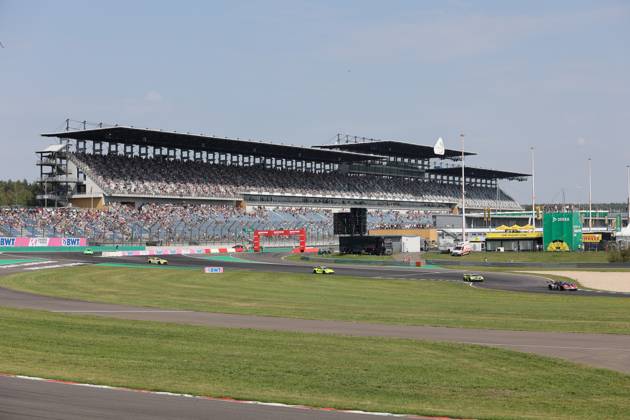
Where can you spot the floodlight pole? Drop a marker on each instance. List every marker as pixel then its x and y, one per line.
pixel 590 198
pixel 533 190
pixel 628 169
pixel 463 194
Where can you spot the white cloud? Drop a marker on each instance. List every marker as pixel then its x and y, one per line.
pixel 438 38
pixel 153 96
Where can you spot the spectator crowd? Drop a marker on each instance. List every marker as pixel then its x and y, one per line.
pixel 200 223
pixel 166 177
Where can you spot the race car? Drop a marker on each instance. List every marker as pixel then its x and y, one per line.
pixel 88 251
pixel 157 260
pixel 473 277
pixel 322 269
pixel 562 285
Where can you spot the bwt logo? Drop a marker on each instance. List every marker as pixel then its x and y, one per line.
pixel 7 241
pixel 560 219
pixel 71 241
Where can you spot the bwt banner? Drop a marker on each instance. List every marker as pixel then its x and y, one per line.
pixel 21 241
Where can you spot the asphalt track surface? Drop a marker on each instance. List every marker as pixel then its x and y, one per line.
pixel 31 399
pixel 22 399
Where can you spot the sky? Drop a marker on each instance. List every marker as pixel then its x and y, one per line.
pixel 553 75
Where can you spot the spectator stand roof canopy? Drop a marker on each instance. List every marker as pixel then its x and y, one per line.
pixel 397 149
pixel 479 173
pixel 186 141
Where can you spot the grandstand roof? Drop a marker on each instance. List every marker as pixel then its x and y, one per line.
pixel 480 173
pixel 159 138
pixel 395 149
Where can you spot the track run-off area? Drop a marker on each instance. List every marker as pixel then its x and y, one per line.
pixel 609 351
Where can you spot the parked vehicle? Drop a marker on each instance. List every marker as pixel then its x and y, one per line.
pixel 461 249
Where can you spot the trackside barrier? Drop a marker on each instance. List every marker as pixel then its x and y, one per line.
pixel 304 250
pixel 171 251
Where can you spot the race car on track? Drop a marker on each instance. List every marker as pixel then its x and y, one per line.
pixel 562 285
pixel 88 251
pixel 157 260
pixel 473 277
pixel 322 269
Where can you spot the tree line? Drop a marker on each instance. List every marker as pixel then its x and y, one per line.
pixel 19 193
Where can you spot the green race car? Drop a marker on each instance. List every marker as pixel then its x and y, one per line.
pixel 322 269
pixel 88 251
pixel 473 277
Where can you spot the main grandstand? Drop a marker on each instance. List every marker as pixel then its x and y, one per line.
pixel 127 184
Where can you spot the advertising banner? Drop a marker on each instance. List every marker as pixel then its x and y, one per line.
pixel 41 242
pixel 213 270
pixel 592 237
pixel 562 231
pixel 513 235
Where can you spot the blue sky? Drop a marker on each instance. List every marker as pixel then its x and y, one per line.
pixel 550 74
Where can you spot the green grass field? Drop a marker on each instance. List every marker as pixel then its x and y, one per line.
pixel 544 257
pixel 328 371
pixel 307 296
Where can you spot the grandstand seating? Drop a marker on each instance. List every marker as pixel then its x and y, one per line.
pixel 117 174
pixel 201 223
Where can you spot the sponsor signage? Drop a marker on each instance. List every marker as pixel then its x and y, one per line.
pixel 41 242
pixel 592 237
pixel 7 241
pixel 513 235
pixel 213 270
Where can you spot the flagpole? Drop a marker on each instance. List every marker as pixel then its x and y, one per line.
pixel 533 191
pixel 463 193
pixel 590 197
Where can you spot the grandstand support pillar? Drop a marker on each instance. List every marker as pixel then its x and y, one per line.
pixel 171 153
pixel 198 155
pixel 185 154
pixel 143 152
pixel 80 146
pixel 128 150
pixel 112 148
pixel 97 147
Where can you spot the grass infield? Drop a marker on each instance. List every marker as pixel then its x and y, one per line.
pixel 307 296
pixel 542 257
pixel 373 374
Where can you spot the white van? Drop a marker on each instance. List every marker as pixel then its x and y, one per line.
pixel 461 250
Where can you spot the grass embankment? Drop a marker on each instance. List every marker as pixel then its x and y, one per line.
pixel 308 296
pixel 539 257
pixel 327 371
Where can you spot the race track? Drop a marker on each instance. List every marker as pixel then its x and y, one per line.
pixel 30 399
pixel 22 399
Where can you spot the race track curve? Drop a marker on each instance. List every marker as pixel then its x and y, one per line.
pixel 36 399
